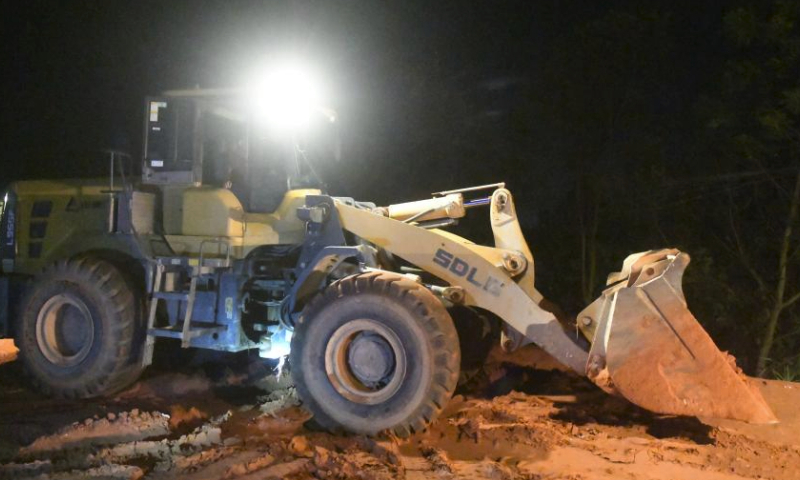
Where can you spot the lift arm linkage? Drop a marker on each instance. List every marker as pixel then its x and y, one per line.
pixel 496 279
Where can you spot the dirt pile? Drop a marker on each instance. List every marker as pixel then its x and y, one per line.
pixel 116 428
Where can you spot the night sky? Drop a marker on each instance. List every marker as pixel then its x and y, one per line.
pixel 430 95
pixel 409 79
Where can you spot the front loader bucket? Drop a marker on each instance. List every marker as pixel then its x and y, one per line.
pixel 649 348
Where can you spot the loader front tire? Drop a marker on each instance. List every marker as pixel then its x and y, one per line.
pixel 76 329
pixel 375 352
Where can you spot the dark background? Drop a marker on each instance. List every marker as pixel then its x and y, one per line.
pixel 619 127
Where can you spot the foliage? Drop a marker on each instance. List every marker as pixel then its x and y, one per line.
pixel 724 194
pixel 753 122
pixel 788 371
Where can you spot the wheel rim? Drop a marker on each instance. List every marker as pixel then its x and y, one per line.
pixel 64 330
pixel 365 361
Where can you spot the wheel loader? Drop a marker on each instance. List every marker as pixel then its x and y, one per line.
pixel 215 247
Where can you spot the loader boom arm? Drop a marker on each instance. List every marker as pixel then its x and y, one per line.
pixel 486 274
pixel 645 343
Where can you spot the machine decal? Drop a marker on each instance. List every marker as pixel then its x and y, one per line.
pixel 154 106
pixel 10 227
pixel 229 308
pixel 461 268
pixel 8 221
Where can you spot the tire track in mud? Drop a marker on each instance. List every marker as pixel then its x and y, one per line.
pixel 525 424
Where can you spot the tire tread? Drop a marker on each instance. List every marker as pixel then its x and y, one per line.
pixel 433 318
pixel 118 370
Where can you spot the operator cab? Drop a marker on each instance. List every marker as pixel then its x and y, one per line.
pixel 205 137
pixel 219 175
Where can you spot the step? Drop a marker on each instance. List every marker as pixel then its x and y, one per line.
pixel 177 263
pixel 182 296
pixel 176 332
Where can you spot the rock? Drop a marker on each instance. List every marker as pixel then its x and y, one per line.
pixel 8 352
pixel 179 415
pixel 299 446
pixel 120 472
pixel 256 464
pixel 232 441
pixel 283 470
pixel 494 470
pixel 321 456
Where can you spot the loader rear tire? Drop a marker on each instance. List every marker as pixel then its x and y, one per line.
pixel 77 327
pixel 375 352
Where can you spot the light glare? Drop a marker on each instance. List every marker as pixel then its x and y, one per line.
pixel 285 97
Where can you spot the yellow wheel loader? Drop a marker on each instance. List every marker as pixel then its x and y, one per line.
pixel 217 244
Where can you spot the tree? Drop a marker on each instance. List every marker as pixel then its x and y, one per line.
pixel 605 84
pixel 755 121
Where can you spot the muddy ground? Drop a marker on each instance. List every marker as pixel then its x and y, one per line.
pixel 518 419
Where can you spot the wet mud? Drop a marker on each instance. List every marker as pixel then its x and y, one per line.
pixel 520 418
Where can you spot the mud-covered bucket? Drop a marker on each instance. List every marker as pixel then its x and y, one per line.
pixel 648 347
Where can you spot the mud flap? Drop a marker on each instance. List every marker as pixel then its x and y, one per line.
pixel 649 348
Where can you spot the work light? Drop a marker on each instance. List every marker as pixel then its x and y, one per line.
pixel 285 97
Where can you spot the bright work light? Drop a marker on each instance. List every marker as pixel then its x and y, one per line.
pixel 285 97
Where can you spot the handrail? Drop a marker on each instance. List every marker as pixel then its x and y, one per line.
pixel 492 186
pixel 216 241
pixel 116 157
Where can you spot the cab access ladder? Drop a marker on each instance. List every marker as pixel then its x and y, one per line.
pixel 185 330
